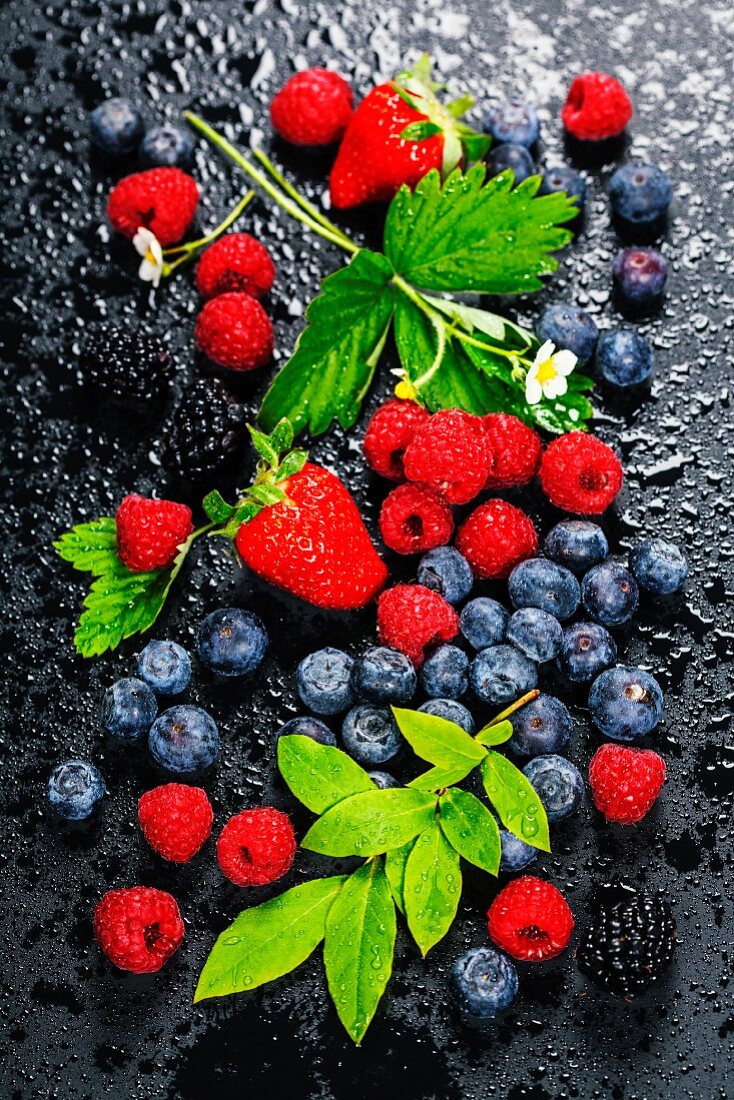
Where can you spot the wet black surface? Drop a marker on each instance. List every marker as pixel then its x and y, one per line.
pixel 76 1028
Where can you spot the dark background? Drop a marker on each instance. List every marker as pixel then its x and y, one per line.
pixel 75 1026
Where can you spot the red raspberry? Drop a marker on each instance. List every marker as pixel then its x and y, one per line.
pixel 414 519
pixel 256 847
pixel 450 454
pixel 495 538
pixel 176 820
pixel 149 532
pixel 312 108
pixel 625 782
pixel 530 920
pixel 235 262
pixel 234 331
pixel 580 474
pixel 514 451
pixel 163 200
pixel 596 107
pixel 413 619
pixel 139 928
pixel 389 432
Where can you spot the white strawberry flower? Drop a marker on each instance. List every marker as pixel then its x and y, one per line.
pixel 148 246
pixel 548 373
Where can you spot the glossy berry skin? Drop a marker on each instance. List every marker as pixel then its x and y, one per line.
pixel 163 200
pixel 232 642
pixel 256 847
pixel 129 708
pixel 559 785
pixel 414 620
pixel 513 121
pixel 445 673
pixel 323 681
pixel 640 194
pixel 370 734
pixel 512 157
pixel 307 726
pixel 383 781
pixel 625 782
pixel 495 538
pixel 206 430
pixel 535 633
pixel 176 820
pixel 484 981
pixel 138 928
pixel 446 571
pixel 624 358
pixel 388 434
pixel 516 854
pixel 610 594
pixel 514 451
pixel 184 739
pixel 450 455
pixel 74 789
pixel 128 364
pixel 165 667
pixel 150 532
pixel 236 262
pixel 545 585
pixel 542 726
pixel 384 675
pixel 597 107
pixel 629 943
pixel 501 674
pixel 564 179
pixel 625 703
pixel 414 518
pixel 451 710
pixel 567 326
pixel 659 566
pixel 530 920
pixel 166 147
pixel 580 474
pixel 312 108
pixel 586 650
pixel 116 126
pixel 234 331
pixel 483 622
pixel 640 275
pixel 576 544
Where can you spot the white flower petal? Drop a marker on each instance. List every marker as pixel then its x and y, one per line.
pixel 565 361
pixel 150 273
pixel 143 240
pixel 545 351
pixel 556 387
pixel 533 391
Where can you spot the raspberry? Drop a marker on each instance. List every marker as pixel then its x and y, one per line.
pixel 413 619
pixel 149 532
pixel 176 820
pixel 139 928
pixel 625 782
pixel 256 847
pixel 514 451
pixel 580 474
pixel 234 331
pixel 414 519
pixel 163 200
pixel 629 943
pixel 312 108
pixel 124 362
pixel 450 454
pixel 206 429
pixel 530 920
pixel 495 538
pixel 235 262
pixel 389 432
pixel 596 107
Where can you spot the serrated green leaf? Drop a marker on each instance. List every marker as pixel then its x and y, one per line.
pixel 515 800
pixel 501 330
pixel 282 435
pixel 371 823
pixel 435 779
pixel 395 861
pixel 269 940
pixel 432 887
pixel 90 547
pixel 319 775
pixel 496 733
pixel 437 740
pixel 359 946
pixel 264 446
pixel 216 507
pixel 471 829
pixel 292 464
pixel 118 605
pixel 419 131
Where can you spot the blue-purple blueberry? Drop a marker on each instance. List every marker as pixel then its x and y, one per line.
pixel 451 711
pixel 610 593
pixel 569 327
pixel 513 156
pixel 625 703
pixel 543 725
pixel 445 673
pixel 446 571
pixel 586 650
pixel 564 179
pixel 640 275
pixel 74 789
pixel 384 675
pixel 558 783
pixel 535 633
pixel 659 566
pixel 184 739
pixel 129 708
pixel 484 981
pixel 232 642
pixel 577 544
pixel 640 194
pixel 307 726
pixel 513 121
pixel 116 126
pixel 323 681
pixel 546 585
pixel 624 358
pixel 483 622
pixel 166 147
pixel 501 674
pixel 370 734
pixel 165 667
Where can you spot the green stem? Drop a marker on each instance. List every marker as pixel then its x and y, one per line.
pixel 192 247
pixel 465 338
pixel 309 208
pixel 521 702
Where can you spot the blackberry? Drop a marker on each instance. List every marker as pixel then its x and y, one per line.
pixel 207 428
pixel 629 942
pixel 126 363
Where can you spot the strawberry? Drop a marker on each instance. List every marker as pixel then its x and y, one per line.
pixel 149 532
pixel 400 131
pixel 163 200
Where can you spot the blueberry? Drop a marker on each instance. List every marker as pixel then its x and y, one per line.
pixel 445 674
pixel 451 711
pixel 535 633
pixel 515 122
pixel 500 674
pixel 639 276
pixel 511 156
pixel 483 622
pixel 624 358
pixel 516 854
pixel 165 667
pixel 587 649
pixel 625 703
pixel 232 642
pixel 383 781
pixel 384 675
pixel 558 783
pixel 307 726
pixel 129 708
pixel 543 725
pixel 640 194
pixel 610 594
pixel 370 734
pixel 567 326
pixel 184 739
pixel 546 585
pixel 166 147
pixel 446 571
pixel 566 179
pixel 659 566
pixel 323 681
pixel 116 126
pixel 74 789
pixel 576 543
pixel 484 981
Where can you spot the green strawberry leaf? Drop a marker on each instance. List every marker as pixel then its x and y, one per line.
pixel 269 940
pixel 292 464
pixel 432 887
pixel 496 733
pixel 515 800
pixel 371 823
pixel 319 775
pixel 216 507
pixel 419 131
pixel 395 861
pixel 437 740
pixel 435 779
pixel 471 829
pixel 500 330
pixel 91 547
pixel 359 945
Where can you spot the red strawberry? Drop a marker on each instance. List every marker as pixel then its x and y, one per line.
pixel 163 200
pixel 149 532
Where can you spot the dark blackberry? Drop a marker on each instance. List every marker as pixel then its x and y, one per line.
pixel 629 943
pixel 124 362
pixel 207 428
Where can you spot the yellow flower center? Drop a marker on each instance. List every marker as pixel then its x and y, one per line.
pixel 546 371
pixel 150 257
